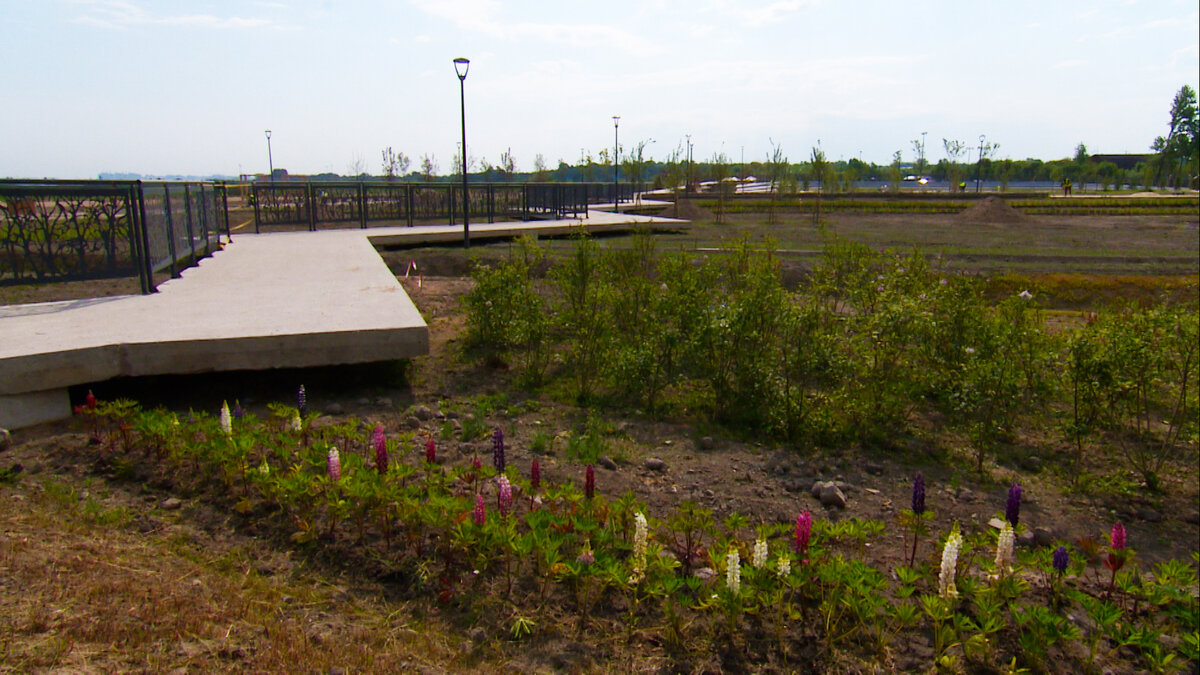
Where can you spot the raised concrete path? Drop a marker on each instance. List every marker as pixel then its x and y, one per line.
pixel 282 300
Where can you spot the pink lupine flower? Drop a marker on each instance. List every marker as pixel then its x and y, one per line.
pixel 535 476
pixel 480 515
pixel 1118 537
pixel 380 442
pixel 803 532
pixel 335 466
pixel 504 496
pixel 589 482
pixel 586 556
pixel 89 401
pixel 431 451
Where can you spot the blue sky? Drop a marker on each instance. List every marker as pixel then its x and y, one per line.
pixel 187 87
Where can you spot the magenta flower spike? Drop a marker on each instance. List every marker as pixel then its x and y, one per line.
pixel 89 401
pixel 480 515
pixel 535 476
pixel 1118 537
pixel 431 451
pixel 335 466
pixel 379 440
pixel 589 482
pixel 918 495
pixel 1012 510
pixel 803 533
pixel 498 450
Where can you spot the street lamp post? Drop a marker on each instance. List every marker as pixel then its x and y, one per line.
pixel 687 174
pixel 270 160
pixel 461 66
pixel 616 162
pixel 979 164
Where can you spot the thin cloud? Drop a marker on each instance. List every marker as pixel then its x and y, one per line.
pixel 121 15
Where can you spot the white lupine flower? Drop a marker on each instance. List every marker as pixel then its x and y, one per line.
pixel 759 559
pixel 946 586
pixel 264 468
pixel 639 538
pixel 1004 546
pixel 226 419
pixel 296 423
pixel 784 568
pixel 733 571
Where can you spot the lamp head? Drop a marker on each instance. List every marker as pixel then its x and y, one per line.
pixel 461 66
pixel 268 132
pixel 616 119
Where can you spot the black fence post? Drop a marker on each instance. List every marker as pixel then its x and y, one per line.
pixel 312 207
pixel 362 205
pixel 187 209
pixel 141 241
pixel 225 210
pixel 254 196
pixel 408 203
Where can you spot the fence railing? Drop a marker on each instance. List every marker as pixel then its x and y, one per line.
pixel 53 231
pixel 341 204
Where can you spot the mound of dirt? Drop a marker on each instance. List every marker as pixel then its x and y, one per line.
pixel 991 210
pixel 687 211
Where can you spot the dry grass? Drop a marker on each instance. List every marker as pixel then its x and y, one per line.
pixel 84 589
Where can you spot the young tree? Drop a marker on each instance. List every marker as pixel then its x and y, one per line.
pixel 540 174
pixel 895 171
pixel 635 165
pixel 394 164
pixel 429 167
pixel 508 165
pixel 820 173
pixel 778 165
pixel 719 166
pixel 954 150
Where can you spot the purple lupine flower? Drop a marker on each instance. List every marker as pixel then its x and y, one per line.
pixel 504 496
pixel 302 401
pixel 586 556
pixel 803 532
pixel 1061 560
pixel 1118 537
pixel 380 442
pixel 431 451
pixel 535 476
pixel 589 482
pixel 335 466
pixel 1012 511
pixel 498 450
pixel 480 515
pixel 918 495
pixel 238 413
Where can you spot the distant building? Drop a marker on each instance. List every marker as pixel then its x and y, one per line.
pixel 1122 161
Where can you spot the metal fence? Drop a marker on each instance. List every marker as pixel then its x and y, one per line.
pixel 53 231
pixel 314 205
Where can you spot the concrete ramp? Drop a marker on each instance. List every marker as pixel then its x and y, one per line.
pixel 283 300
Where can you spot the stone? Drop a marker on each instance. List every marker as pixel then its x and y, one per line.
pixel 1025 540
pixel 655 464
pixel 171 504
pixel 832 496
pixel 794 485
pixel 5 440
pixel 996 523
pixel 384 402
pixel 413 422
pixel 707 443
pixel 1032 463
pixel 873 468
pixel 422 413
pixel 704 573
pixel 607 462
pixel 817 487
pixel 335 409
pixel 1043 538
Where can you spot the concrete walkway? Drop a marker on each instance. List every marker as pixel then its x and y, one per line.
pixel 282 300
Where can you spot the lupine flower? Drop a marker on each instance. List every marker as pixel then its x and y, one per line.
pixel 535 476
pixel 589 482
pixel 238 413
pixel 1115 559
pixel 640 532
pixel 784 567
pixel 803 532
pixel 498 450
pixel 480 515
pixel 1025 295
pixel 226 420
pixel 1061 560
pixel 586 556
pixel 297 425
pixel 918 495
pixel 504 496
pixel 1118 537
pixel 302 401
pixel 759 559
pixel 264 468
pixel 1012 511
pixel 733 571
pixel 335 465
pixel 476 465
pixel 431 451
pixel 380 442
pixel 1004 546
pixel 946 586
pixel 89 401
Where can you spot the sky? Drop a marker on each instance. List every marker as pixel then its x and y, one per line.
pixel 189 86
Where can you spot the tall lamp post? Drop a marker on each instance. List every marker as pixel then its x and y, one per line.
pixel 461 66
pixel 270 160
pixel 616 162
pixel 979 164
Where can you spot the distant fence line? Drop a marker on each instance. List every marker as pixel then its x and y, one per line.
pixel 54 230
pixel 312 204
